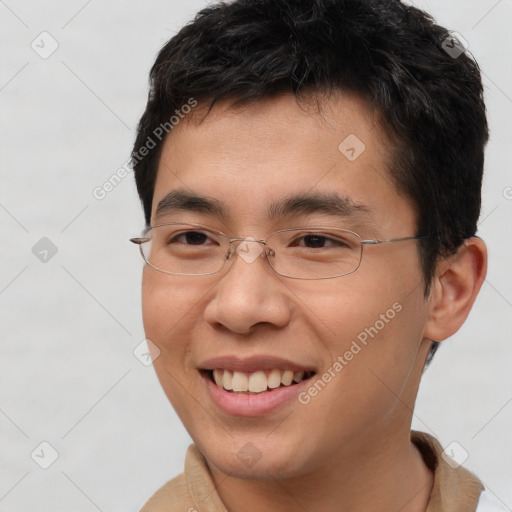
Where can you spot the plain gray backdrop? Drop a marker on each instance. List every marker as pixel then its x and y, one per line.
pixel 70 281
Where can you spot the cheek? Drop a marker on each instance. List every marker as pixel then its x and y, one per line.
pixel 371 324
pixel 361 306
pixel 170 309
pixel 369 371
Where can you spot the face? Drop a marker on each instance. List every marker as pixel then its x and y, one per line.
pixel 357 338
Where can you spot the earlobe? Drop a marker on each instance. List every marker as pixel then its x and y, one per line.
pixel 456 284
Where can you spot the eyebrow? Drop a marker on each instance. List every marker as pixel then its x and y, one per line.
pixel 183 201
pixel 180 200
pixel 318 202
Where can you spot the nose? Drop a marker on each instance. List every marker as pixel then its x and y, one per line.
pixel 249 293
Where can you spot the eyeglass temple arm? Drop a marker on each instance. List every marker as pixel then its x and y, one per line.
pixel 139 240
pixel 392 240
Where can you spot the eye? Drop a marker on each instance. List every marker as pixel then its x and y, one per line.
pixel 190 238
pixel 315 241
pixel 319 241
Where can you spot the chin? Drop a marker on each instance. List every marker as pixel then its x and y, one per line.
pixel 254 457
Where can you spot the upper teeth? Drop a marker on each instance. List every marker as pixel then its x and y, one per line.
pixel 255 382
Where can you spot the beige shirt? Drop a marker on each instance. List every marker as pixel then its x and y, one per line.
pixel 454 489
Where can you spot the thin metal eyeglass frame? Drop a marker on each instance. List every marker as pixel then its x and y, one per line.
pixel 268 251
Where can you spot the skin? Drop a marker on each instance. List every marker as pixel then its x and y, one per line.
pixel 350 445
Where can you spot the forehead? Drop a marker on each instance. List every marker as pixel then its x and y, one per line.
pixel 251 156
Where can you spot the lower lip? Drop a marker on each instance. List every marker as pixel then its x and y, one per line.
pixel 256 404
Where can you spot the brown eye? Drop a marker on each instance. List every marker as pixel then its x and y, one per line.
pixel 193 238
pixel 315 241
pixel 319 241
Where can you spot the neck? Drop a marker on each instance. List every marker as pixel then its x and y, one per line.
pixel 388 473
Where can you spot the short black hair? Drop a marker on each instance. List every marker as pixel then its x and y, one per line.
pixel 429 100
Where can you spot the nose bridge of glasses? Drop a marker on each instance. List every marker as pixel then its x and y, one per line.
pixel 248 248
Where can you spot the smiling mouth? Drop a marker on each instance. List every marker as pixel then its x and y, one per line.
pixel 255 382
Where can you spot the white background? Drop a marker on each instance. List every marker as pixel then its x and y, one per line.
pixel 69 326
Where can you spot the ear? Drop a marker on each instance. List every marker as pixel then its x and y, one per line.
pixel 458 279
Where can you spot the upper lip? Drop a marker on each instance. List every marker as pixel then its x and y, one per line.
pixel 252 364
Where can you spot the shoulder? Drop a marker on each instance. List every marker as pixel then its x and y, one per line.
pixel 489 503
pixel 173 496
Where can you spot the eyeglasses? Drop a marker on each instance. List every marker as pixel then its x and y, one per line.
pixel 297 253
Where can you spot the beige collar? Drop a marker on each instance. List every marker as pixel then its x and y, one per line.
pixel 455 489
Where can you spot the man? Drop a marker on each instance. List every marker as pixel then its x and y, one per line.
pixel 310 173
